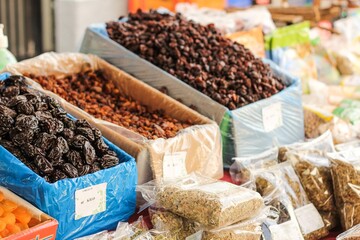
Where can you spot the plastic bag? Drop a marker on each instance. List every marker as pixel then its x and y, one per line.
pixel 347 146
pixel 283 176
pixel 240 170
pixel 345 171
pixel 210 202
pixel 313 170
pixel 351 234
pixel 313 118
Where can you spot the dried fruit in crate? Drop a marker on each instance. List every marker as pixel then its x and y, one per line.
pixel 46 140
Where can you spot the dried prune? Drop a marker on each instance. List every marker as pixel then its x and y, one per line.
pixel 11 91
pixel 51 125
pixel 15 80
pixel 32 98
pixel 58 163
pixel 16 100
pixel 89 153
pixel 45 141
pixel 6 121
pixel 100 146
pixel 61 143
pixel 82 123
pixel 21 137
pixel 24 122
pixel 25 108
pixel 70 170
pixel 41 106
pixel 68 123
pixel 74 157
pixel 108 161
pixel 86 132
pixel 58 175
pixel 67 133
pixel 83 170
pixel 95 167
pixel 7 111
pixel 55 154
pixel 41 115
pixel 111 153
pixel 78 141
pixel 97 133
pixel 51 102
pixel 31 151
pixel 58 112
pixel 43 164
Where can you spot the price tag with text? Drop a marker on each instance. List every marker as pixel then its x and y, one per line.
pixel 174 165
pixel 90 201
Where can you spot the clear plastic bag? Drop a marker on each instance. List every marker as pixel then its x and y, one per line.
pixel 351 234
pixel 345 171
pixel 240 170
pixel 210 202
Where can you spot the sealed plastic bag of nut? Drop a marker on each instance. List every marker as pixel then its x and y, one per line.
pixel 212 203
pixel 323 143
pixel 240 170
pixel 313 170
pixel 314 117
pixel 283 176
pixel 351 234
pixel 345 171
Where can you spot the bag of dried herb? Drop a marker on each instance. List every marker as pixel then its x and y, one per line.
pixel 351 234
pixel 345 172
pixel 313 170
pixel 323 143
pixel 240 170
pixel 212 203
pixel 283 176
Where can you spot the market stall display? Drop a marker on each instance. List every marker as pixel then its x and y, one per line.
pixel 62 192
pixel 221 90
pixel 150 126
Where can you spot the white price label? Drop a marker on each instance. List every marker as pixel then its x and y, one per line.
pixel 309 219
pixel 272 117
pixel 174 165
pixel 285 231
pixel 90 201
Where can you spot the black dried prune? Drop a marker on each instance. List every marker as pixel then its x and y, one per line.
pixel 51 125
pixel 41 106
pixel 43 164
pixel 25 108
pixel 67 133
pixel 111 153
pixel 70 170
pixel 68 123
pixel 97 133
pixel 51 102
pixel 62 144
pixel 58 112
pixel 95 167
pixel 58 175
pixel 24 122
pixel 41 115
pixel 15 80
pixel 86 132
pixel 74 157
pixel 31 151
pixel 82 123
pixel 6 121
pixel 11 91
pixel 4 100
pixel 108 161
pixel 78 141
pixel 32 98
pixel 21 137
pixel 44 141
pixel 58 163
pixel 4 131
pixel 100 146
pixel 16 100
pixel 47 178
pixel 55 154
pixel 89 153
pixel 83 170
pixel 7 111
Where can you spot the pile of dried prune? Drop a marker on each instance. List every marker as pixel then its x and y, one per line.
pixel 38 131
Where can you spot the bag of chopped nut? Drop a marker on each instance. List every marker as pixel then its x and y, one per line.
pixel 282 177
pixel 345 171
pixel 351 234
pixel 212 203
pixel 323 143
pixel 313 170
pixel 240 170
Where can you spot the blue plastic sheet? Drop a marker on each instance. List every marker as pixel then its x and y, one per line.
pixel 58 199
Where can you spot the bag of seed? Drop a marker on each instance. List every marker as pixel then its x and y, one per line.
pixel 212 203
pixel 345 171
pixel 313 170
pixel 351 234
pixel 240 170
pixel 283 177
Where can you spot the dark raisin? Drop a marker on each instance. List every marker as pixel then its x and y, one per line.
pixel 58 112
pixel 25 108
pixel 97 133
pixel 44 141
pixel 74 157
pixel 68 123
pixel 78 141
pixel 89 153
pixel 24 122
pixel 43 164
pixel 42 115
pixel 67 134
pixel 61 143
pixel 21 137
pixel 100 146
pixel 16 100
pixel 15 80
pixel 55 154
pixel 82 123
pixel 31 151
pixel 83 170
pixel 41 106
pixel 51 102
pixel 108 161
pixel 11 91
pixel 7 111
pixel 86 132
pixel 70 170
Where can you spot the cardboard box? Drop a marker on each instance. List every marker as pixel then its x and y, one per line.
pixel 248 130
pixel 45 230
pixel 199 145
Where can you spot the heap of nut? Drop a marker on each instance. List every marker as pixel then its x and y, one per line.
pixel 98 96
pixel 38 131
pixel 198 55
